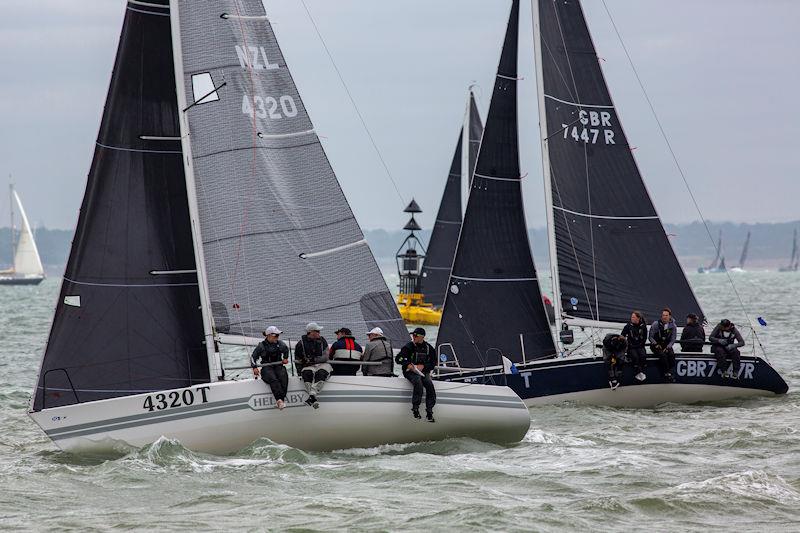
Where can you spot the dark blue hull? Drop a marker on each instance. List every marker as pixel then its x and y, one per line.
pixel 20 281
pixel 584 380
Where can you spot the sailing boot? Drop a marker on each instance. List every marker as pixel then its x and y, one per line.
pixel 614 384
pixel 429 416
pixel 641 376
pixel 415 412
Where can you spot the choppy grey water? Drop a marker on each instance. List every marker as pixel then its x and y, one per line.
pixel 732 465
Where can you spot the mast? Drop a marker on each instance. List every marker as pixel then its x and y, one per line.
pixel 466 172
pixel 547 181
pixel 11 216
pixel 743 257
pixel 792 263
pixel 214 365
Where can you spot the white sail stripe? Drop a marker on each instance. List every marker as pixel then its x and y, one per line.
pixel 285 135
pixel 168 272
pixel 333 250
pixel 493 279
pixel 577 104
pixel 508 78
pixel 144 285
pixel 138 149
pixel 448 221
pixel 148 12
pixel 428 267
pixel 147 4
pixel 497 178
pixel 158 138
pixel 607 217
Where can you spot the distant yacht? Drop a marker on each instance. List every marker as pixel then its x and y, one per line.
pixel 27 268
pixel 743 257
pixel 718 264
pixel 794 260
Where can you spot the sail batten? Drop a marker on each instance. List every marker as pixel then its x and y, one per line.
pixel 612 253
pixel 279 238
pixel 493 305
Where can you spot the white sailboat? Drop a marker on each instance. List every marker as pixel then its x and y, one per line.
pixel 206 234
pixel 27 269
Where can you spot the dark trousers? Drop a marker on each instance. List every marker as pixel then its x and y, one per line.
pixel 723 355
pixel 344 370
pixel 638 357
pixel 418 382
pixel 309 376
pixel 666 359
pixel 613 365
pixel 278 380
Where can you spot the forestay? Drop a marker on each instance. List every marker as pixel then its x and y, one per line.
pixel 279 239
pixel 612 252
pixel 119 327
pixel 494 304
pixel 26 256
pixel 442 247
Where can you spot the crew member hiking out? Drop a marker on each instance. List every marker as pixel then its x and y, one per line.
pixel 635 333
pixel 663 334
pixel 345 349
pixel 378 350
pixel 725 343
pixel 614 348
pixel 417 359
pixel 311 357
pixel 274 353
pixel 693 335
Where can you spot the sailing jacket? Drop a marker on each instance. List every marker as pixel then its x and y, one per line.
pixel 417 354
pixel 346 348
pixel 310 351
pixel 378 350
pixel 635 334
pixel 663 335
pixel 269 352
pixel 693 332
pixel 719 337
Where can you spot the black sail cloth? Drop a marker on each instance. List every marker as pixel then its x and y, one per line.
pixel 442 246
pixel 494 304
pixel 122 329
pixel 612 252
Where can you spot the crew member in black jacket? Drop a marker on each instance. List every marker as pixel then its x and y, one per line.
pixel 635 332
pixel 693 335
pixel 272 350
pixel 418 359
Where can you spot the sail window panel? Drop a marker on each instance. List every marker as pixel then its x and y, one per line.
pixel 203 89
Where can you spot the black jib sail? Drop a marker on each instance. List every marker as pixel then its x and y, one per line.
pixel 280 242
pixel 128 319
pixel 442 247
pixel 612 253
pixel 494 304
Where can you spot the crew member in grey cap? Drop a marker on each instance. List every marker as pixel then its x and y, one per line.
pixel 311 358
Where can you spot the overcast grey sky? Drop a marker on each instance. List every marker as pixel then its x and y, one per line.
pixel 723 75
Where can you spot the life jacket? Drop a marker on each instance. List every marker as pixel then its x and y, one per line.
pixel 348 349
pixel 312 348
pixel 637 335
pixel 663 334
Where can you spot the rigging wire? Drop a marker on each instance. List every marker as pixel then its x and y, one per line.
pixel 680 171
pixel 353 102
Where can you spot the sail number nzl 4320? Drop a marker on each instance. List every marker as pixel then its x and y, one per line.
pixel 175 398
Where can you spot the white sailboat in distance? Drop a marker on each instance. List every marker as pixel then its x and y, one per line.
pixel 27 268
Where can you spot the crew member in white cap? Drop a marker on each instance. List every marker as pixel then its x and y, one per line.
pixel 311 358
pixel 378 349
pixel 274 353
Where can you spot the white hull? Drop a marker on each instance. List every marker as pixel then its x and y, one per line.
pixel 647 396
pixel 354 412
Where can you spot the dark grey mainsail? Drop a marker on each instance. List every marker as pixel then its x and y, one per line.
pixel 442 246
pixel 279 239
pixel 745 249
pixel 494 304
pixel 125 323
pixel 611 251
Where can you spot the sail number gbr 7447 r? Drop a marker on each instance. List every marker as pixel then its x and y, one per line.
pixel 593 126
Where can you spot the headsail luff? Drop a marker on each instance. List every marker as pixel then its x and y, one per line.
pixel 494 304
pixel 612 253
pixel 119 327
pixel 26 255
pixel 442 246
pixel 280 242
